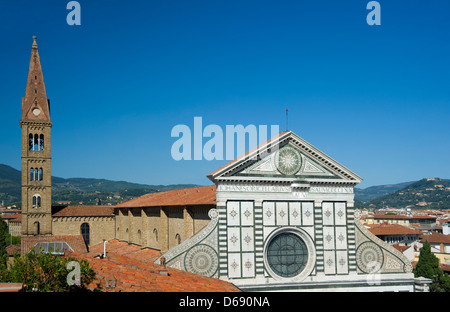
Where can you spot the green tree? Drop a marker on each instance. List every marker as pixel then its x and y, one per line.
pixel 45 272
pixel 428 267
pixel 3 242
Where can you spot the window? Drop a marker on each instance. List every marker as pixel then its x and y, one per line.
pixel 30 142
pixel 55 248
pixel 85 232
pixel 36 228
pixel 41 142
pixel 36 174
pixel 35 142
pixel 178 239
pixel 36 201
pixel 287 255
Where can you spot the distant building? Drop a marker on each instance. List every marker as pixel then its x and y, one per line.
pixel 395 233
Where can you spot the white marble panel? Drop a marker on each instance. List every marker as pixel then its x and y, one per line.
pixel 340 216
pixel 233 213
pixel 295 213
pixel 247 215
pixel 327 213
pixel 234 239
pixel 247 241
pixel 248 265
pixel 234 265
pixel 342 262
pixel 308 213
pixel 268 213
pixel 329 262
pixel 328 237
pixel 282 212
pixel 341 237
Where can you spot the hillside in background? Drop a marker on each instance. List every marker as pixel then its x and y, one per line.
pixel 77 190
pixel 431 193
pixel 373 192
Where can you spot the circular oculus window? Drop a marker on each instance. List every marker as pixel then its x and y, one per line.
pixel 289 254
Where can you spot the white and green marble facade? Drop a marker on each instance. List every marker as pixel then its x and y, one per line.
pixel 287 190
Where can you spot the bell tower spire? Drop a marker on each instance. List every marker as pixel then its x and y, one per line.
pixel 35 105
pixel 36 152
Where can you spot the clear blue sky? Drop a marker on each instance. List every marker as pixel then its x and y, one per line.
pixel 375 98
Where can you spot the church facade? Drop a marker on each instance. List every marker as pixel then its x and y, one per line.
pixel 285 221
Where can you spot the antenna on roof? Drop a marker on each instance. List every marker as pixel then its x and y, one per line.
pixel 287 119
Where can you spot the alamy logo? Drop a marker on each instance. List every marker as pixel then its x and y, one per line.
pixel 74 276
pixel 228 144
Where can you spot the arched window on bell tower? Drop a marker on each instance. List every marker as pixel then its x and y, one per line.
pixel 36 142
pixel 36 228
pixel 30 142
pixel 41 142
pixel 36 201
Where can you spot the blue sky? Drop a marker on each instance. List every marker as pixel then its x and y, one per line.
pixel 375 98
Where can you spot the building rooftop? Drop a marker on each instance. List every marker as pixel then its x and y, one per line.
pixel 391 229
pixel 437 238
pixel 83 211
pixel 76 242
pixel 203 195
pixel 130 268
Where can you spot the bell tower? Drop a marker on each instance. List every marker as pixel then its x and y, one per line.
pixel 36 152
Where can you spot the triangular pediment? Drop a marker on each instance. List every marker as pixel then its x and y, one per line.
pixel 286 157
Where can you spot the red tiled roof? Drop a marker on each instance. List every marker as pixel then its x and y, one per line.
pixel 400 248
pixel 204 195
pixel 84 211
pixel 133 270
pixel 13 217
pixel 391 229
pixel 436 238
pixel 383 216
pixel 76 242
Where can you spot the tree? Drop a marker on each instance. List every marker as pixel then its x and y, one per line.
pixel 3 243
pixel 428 267
pixel 45 272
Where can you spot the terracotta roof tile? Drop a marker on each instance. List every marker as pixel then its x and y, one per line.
pixel 391 229
pixel 204 195
pixel 84 211
pixel 436 238
pixel 131 268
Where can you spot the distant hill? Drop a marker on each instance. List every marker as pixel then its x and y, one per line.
pixel 77 190
pixel 373 192
pixel 431 193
